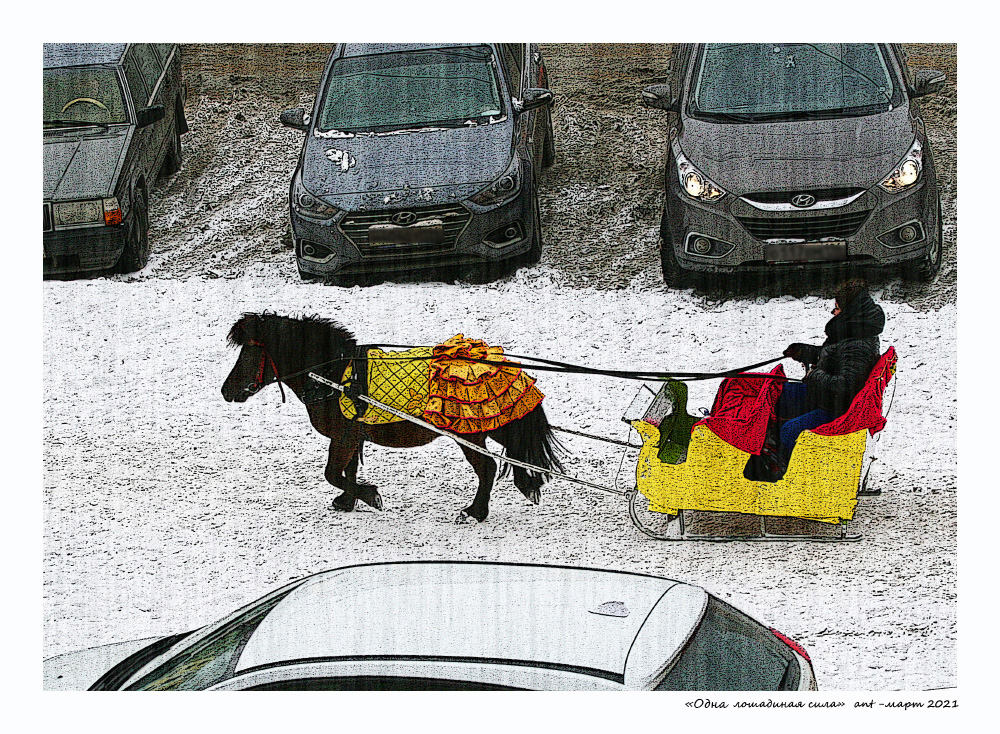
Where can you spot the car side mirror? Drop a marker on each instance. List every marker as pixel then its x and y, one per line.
pixel 148 115
pixel 294 118
pixel 926 81
pixel 532 99
pixel 660 96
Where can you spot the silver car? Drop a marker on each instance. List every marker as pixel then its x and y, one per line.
pixel 458 626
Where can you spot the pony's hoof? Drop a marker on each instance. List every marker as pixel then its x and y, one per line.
pixel 464 518
pixel 535 496
pixel 369 495
pixel 343 503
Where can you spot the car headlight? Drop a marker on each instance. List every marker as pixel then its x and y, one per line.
pixel 505 188
pixel 107 211
pixel 694 183
pixel 307 204
pixel 908 171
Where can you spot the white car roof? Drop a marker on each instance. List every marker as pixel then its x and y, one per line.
pixel 472 611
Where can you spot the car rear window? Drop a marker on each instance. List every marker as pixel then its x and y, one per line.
pixel 731 652
pixel 765 80
pixel 82 95
pixel 413 89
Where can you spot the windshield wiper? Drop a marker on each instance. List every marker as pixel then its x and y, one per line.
pixel 731 116
pixel 73 123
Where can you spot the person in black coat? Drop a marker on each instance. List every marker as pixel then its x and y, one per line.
pixel 837 370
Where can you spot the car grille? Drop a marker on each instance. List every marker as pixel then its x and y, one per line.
pixel 785 197
pixel 807 228
pixel 453 216
pixel 46 217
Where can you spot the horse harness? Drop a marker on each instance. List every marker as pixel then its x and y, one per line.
pixel 265 358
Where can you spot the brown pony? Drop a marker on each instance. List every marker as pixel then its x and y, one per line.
pixel 283 349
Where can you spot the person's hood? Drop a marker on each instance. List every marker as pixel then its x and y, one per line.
pixel 82 164
pixel 810 154
pixel 405 168
pixel 862 318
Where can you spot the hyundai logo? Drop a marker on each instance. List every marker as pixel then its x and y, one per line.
pixel 803 201
pixel 404 218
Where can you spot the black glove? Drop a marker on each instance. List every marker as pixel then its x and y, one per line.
pixel 795 351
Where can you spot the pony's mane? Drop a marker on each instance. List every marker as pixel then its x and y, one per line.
pixel 271 328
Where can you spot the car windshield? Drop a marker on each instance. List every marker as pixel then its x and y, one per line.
pixel 731 652
pixel 210 660
pixel 751 82
pixel 415 89
pixel 82 96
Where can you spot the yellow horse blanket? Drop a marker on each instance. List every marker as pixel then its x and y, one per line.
pixel 446 387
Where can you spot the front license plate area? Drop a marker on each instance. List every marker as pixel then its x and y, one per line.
pixel 795 252
pixel 430 232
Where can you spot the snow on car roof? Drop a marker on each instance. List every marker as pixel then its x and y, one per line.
pixel 461 610
pixel 78 54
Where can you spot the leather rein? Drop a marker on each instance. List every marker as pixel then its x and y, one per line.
pixel 265 359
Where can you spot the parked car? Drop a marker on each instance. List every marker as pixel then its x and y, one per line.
pixel 458 626
pixel 797 155
pixel 420 156
pixel 112 117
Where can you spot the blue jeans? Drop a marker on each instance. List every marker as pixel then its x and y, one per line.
pixel 791 406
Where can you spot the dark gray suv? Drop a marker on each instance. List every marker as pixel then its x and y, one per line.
pixel 793 156
pixel 421 156
pixel 112 117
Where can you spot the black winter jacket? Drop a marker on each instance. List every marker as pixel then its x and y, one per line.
pixel 847 356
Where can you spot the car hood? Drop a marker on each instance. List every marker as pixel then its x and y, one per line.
pixel 82 164
pixel 368 171
pixel 811 154
pixel 78 671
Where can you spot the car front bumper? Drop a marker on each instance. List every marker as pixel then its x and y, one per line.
pixel 82 249
pixel 743 232
pixel 341 246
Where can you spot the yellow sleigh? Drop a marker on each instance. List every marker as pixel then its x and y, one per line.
pixel 827 472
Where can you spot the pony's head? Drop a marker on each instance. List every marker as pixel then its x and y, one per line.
pixel 273 347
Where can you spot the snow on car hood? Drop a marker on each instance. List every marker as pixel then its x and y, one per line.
pixel 81 164
pixel 405 168
pixel 744 158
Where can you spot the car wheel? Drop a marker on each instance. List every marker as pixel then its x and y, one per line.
pixel 136 253
pixel 172 161
pixel 927 268
pixel 673 274
pixel 549 146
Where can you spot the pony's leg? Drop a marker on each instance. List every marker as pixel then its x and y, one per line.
pixel 342 472
pixel 338 460
pixel 486 469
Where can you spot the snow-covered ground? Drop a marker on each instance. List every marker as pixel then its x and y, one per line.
pixel 166 507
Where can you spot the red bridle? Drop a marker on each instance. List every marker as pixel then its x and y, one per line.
pixel 265 358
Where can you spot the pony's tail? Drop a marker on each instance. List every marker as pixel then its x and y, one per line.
pixel 530 439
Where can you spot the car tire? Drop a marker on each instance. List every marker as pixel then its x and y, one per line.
pixel 135 255
pixel 928 266
pixel 308 277
pixel 534 254
pixel 172 161
pixel 673 274
pixel 549 146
